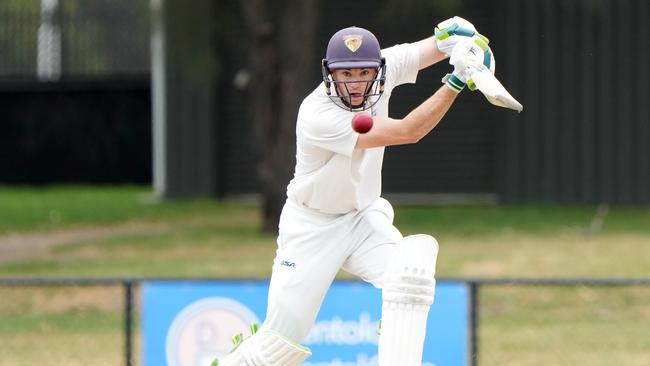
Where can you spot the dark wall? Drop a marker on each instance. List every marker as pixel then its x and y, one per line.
pixel 459 156
pixel 75 132
pixel 188 124
pixel 580 67
pixel 581 71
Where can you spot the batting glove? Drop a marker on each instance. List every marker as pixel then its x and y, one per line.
pixel 449 32
pixel 468 53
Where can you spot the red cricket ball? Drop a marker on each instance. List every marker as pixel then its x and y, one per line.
pixel 362 122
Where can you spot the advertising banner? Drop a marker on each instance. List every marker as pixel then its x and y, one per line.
pixel 190 323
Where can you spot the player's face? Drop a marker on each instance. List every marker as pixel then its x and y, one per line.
pixel 357 82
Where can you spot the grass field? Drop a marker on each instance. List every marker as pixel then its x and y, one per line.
pixel 123 231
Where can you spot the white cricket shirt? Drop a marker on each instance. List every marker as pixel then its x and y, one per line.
pixel 331 176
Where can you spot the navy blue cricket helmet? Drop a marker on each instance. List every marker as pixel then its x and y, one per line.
pixel 354 48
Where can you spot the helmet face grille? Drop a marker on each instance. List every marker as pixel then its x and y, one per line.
pixel 340 94
pixel 354 48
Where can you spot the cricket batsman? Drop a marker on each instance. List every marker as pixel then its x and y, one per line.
pixel 335 217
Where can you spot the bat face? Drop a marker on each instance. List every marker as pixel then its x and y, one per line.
pixel 492 89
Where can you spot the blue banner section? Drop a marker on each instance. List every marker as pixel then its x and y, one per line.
pixel 188 323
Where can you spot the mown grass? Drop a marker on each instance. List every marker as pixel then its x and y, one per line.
pixel 564 326
pixel 58 207
pixel 206 238
pixel 61 326
pixel 143 237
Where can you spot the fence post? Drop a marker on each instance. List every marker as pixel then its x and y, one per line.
pixel 474 318
pixel 128 322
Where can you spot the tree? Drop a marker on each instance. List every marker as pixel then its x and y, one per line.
pixel 281 57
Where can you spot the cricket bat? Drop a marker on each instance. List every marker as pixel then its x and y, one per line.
pixel 492 89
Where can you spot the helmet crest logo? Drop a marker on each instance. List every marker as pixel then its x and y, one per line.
pixel 353 42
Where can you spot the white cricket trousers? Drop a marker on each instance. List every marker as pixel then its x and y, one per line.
pixel 312 247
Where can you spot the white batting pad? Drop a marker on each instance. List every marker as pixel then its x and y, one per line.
pixel 266 348
pixel 408 293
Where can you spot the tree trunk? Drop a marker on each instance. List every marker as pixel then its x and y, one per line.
pixel 281 60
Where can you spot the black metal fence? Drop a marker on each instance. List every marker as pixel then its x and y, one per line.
pixel 127 285
pixel 477 286
pixel 53 39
